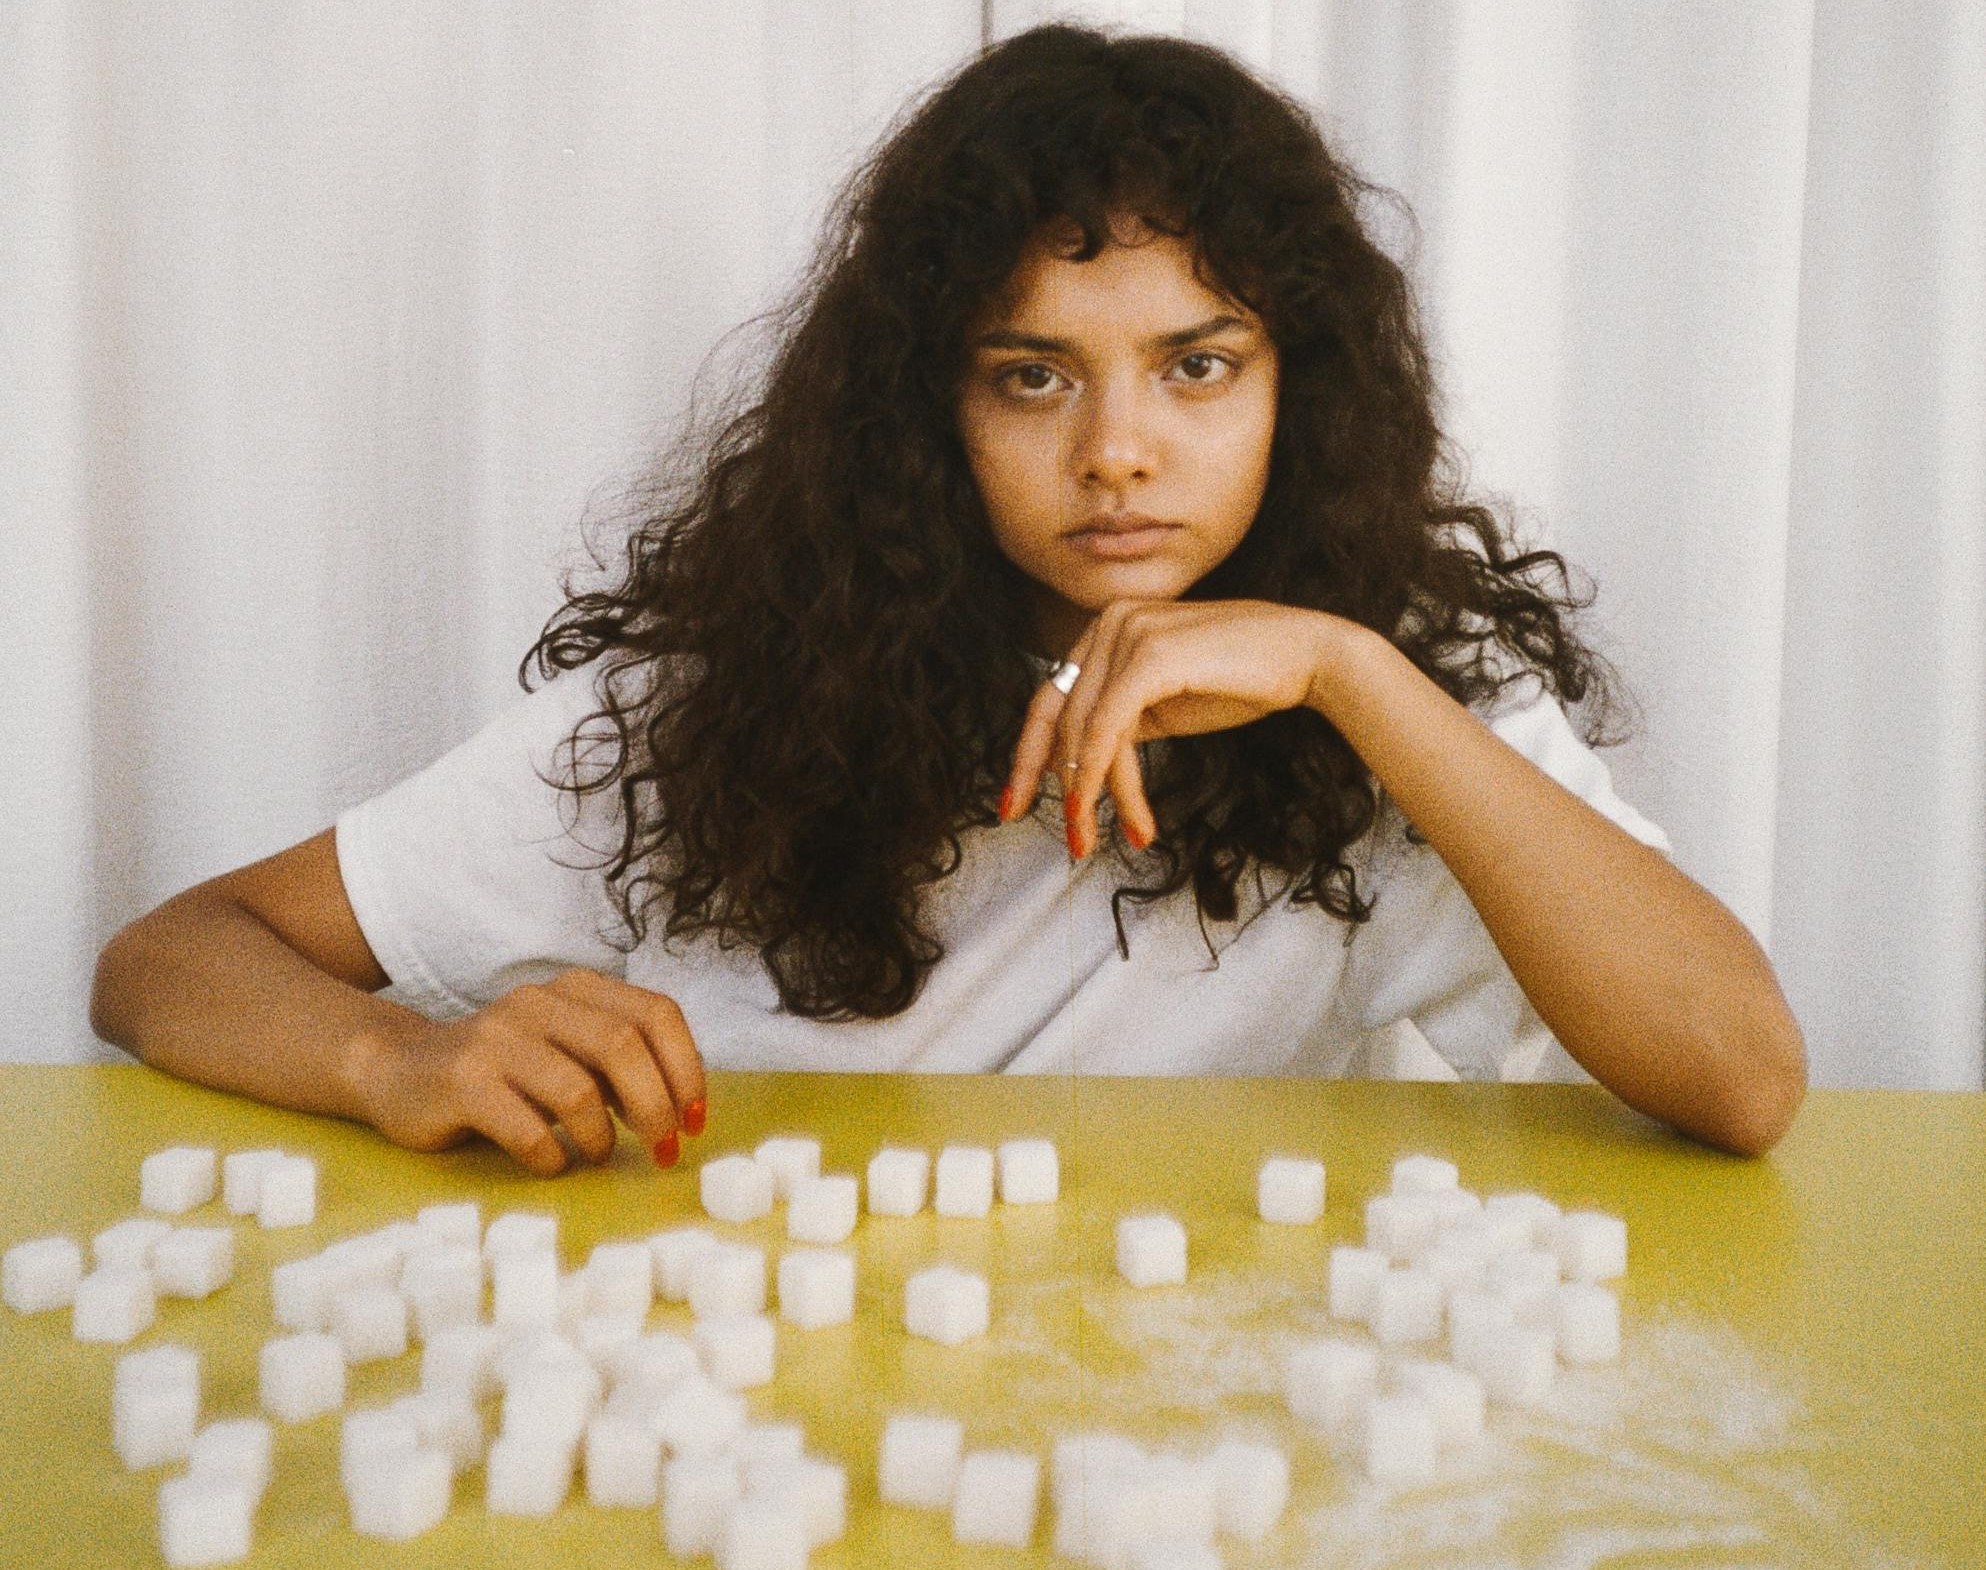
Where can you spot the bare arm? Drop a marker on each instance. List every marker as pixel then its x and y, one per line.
pixel 261 982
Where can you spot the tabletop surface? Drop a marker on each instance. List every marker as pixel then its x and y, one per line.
pixel 1803 1377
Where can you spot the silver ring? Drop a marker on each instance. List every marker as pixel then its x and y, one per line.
pixel 1063 677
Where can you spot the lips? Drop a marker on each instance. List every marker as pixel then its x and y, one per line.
pixel 1122 536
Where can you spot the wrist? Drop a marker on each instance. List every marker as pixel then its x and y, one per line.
pixel 1341 649
pixel 368 1060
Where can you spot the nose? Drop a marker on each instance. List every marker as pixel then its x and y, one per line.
pixel 1114 442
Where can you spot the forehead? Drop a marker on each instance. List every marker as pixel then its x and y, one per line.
pixel 1141 274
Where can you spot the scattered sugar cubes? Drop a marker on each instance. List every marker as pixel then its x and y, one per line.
pixel 302 1376
pixel 1290 1191
pixel 620 1279
pixel 697 1495
pixel 1455 1396
pixel 1476 1317
pixel 175 1180
pixel 898 1180
pixel 1528 1281
pixel 204 1520
pixel 528 1474
pixel 1328 1380
pixel 129 1244
pixel 288 1196
pixel 1528 1216
pixel 193 1262
pixel 1399 1439
pixel 113 1303
pixel 763 1532
pixel 791 1159
pixel 41 1274
pixel 1088 1474
pixel 1588 1321
pixel 675 1253
pixel 1424 1175
pixel 815 1488
pixel 238 1450
pixel 965 1181
pixel 1030 1172
pixel 531 1231
pixel 729 1280
pixel 1151 1250
pixel 996 1497
pixel 919 1460
pixel 816 1287
pixel 736 1188
pixel 1251 1487
pixel 822 1209
pixel 241 1179
pixel 398 1497
pixel 1400 1226
pixel 947 1305
pixel 524 1287
pixel 1354 1279
pixel 370 1323
pixel 696 1417
pixel 461 1360
pixel 1406 1306
pixel 443 1286
pixel 737 1352
pixel 459 1224
pixel 1590 1245
pixel 1516 1363
pixel 155 1405
pixel 623 1461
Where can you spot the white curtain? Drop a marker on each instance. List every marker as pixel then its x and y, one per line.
pixel 323 330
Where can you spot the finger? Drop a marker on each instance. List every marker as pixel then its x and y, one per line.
pixel 1076 734
pixel 1127 789
pixel 666 1039
pixel 603 1038
pixel 567 1093
pixel 502 1116
pixel 1037 741
pixel 1136 682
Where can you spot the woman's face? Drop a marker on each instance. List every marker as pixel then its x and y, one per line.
pixel 1118 416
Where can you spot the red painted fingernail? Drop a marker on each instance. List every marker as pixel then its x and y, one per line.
pixel 1006 803
pixel 1135 835
pixel 667 1150
pixel 693 1115
pixel 1075 840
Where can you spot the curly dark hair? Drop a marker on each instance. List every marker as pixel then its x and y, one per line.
pixel 815 666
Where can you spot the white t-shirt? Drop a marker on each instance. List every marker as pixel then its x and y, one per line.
pixel 474 876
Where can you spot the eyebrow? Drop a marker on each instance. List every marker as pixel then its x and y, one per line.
pixel 1006 338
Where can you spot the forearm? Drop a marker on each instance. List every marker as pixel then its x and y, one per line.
pixel 204 989
pixel 1654 987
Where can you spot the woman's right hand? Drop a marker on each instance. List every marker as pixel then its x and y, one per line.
pixel 566 1055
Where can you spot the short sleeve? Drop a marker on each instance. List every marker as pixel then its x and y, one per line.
pixel 1426 956
pixel 476 875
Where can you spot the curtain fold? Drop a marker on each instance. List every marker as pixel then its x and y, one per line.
pixel 325 334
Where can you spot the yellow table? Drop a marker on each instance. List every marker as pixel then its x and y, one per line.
pixel 1804 1380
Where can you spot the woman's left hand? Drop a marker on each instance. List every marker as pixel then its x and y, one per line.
pixel 1152 668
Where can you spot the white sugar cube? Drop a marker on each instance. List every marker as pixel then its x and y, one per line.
pixel 461 1359
pixel 41 1274
pixel 288 1194
pixel 1163 1499
pixel 822 1209
pixel 1455 1396
pixel 155 1406
pixel 736 1188
pixel 759 1444
pixel 620 1279
pixel 697 1495
pixel 1177 1556
pixel 965 1181
pixel 919 1460
pixel 1354 1277
pixel 1290 1191
pixel 1399 1439
pixel 572 1299
pixel 816 1287
pixel 623 1462
pixel 1399 1225
pixel 1454 1207
pixel 1423 1175
pixel 241 1179
pixel 763 1532
pixel 946 1304
pixel 1030 1172
pixel 443 1286
pixel 674 1253
pixel 898 1180
pixel 1528 1281
pixel 399 1497
pixel 1406 1306
pixel 791 1159
pixel 1328 1381
pixel 447 1421
pixel 129 1244
pixel 696 1417
pixel 1516 1363
pixel 600 1336
pixel 238 1450
pixel 1251 1487
pixel 370 1324
pixel 175 1180
pixel 113 1304
pixel 205 1520
pixel 458 1225
pixel 373 1434
pixel 1529 1216
pixel 737 1352
pixel 1151 1250
pixel 372 1259
pixel 1088 1476
pixel 193 1262
pixel 1454 1268
pixel 528 1474
pixel 1589 1323
pixel 817 1488
pixel 1475 1318
pixel 300 1293
pixel 524 1287
pixel 533 1231
pixel 655 1362
pixel 302 1376
pixel 552 1396
pixel 1590 1245
pixel 995 1498
pixel 728 1280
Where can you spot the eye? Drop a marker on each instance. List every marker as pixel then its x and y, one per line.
pixel 1210 362
pixel 1011 378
